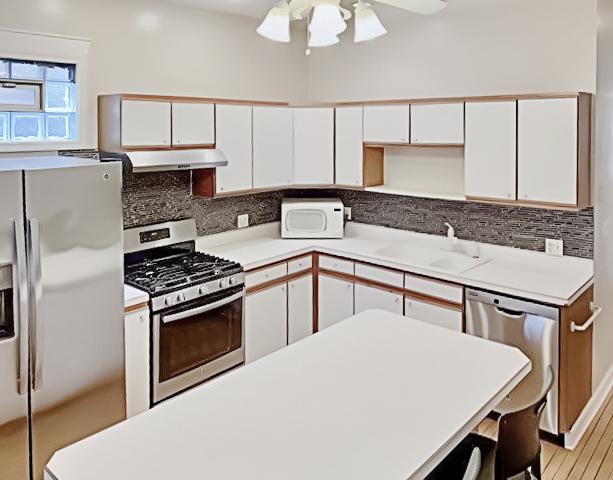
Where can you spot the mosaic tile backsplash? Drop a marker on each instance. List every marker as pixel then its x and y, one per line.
pixel 159 197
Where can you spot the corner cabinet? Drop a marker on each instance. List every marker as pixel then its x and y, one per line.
pixel 349 140
pixel 335 300
pixel 313 146
pixel 272 147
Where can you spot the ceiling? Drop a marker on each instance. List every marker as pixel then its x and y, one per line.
pixel 249 8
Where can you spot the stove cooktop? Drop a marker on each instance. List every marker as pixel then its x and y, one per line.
pixel 160 276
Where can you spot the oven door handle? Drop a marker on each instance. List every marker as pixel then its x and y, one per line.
pixel 205 308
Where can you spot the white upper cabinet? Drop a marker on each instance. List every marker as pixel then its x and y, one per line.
pixel 547 150
pixel 234 139
pixel 193 123
pixel 369 298
pixel 490 155
pixel 145 123
pixel 437 124
pixel 349 146
pixel 388 124
pixel 313 146
pixel 272 146
pixel 299 308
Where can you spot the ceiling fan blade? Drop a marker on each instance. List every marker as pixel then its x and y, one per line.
pixel 423 7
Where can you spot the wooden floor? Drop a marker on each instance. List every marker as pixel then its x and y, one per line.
pixel 591 460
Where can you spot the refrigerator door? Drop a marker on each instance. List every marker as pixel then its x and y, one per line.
pixel 14 450
pixel 75 267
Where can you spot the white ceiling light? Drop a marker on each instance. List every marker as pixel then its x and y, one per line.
pixel 328 19
pixel 276 24
pixel 367 24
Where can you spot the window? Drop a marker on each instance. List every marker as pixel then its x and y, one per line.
pixel 38 101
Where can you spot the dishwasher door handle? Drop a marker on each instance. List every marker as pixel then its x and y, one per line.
pixel 596 311
pixel 510 313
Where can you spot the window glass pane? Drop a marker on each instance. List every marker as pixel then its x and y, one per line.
pixel 4 126
pixel 60 97
pixel 19 96
pixel 61 73
pixel 27 127
pixel 4 69
pixel 26 71
pixel 61 126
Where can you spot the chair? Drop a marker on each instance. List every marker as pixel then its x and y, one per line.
pixel 518 449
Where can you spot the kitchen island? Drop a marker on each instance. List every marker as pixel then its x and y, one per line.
pixel 375 396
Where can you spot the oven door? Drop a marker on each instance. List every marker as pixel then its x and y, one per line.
pixel 194 342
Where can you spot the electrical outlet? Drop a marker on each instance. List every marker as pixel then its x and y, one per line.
pixel 554 247
pixel 243 221
pixel 348 213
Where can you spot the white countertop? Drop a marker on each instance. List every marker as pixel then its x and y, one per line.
pixel 133 296
pixel 522 273
pixel 369 398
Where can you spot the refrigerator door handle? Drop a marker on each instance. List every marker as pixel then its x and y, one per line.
pixel 22 294
pixel 36 294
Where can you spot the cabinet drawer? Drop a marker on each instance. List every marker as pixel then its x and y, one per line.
pixel 300 264
pixel 265 275
pixel 380 275
pixel 434 314
pixel 336 265
pixel 433 288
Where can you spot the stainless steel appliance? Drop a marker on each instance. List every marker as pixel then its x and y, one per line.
pixel 531 327
pixel 312 218
pixel 160 161
pixel 197 306
pixel 61 346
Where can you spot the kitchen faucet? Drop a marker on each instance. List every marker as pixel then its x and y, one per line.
pixel 451 234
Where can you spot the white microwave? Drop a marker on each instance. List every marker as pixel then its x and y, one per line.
pixel 312 218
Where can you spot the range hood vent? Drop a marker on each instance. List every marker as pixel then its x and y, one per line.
pixel 167 160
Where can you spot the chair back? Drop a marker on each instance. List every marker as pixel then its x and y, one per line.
pixel 518 435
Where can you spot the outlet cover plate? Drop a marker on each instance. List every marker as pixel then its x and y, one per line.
pixel 242 221
pixel 347 213
pixel 554 247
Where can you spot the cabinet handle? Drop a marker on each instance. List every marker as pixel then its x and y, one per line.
pixel 596 311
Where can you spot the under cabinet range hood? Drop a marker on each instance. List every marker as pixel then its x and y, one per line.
pixel 166 160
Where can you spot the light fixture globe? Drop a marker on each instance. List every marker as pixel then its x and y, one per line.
pixel 367 24
pixel 276 24
pixel 322 39
pixel 327 18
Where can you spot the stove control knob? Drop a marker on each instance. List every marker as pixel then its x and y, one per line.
pixel 181 297
pixel 233 281
pixel 168 302
pixel 222 283
pixel 202 290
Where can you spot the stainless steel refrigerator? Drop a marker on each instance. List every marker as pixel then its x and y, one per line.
pixel 61 323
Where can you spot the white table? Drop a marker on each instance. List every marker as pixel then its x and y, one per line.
pixel 376 396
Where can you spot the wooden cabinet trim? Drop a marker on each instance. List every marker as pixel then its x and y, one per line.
pixel 439 302
pixel 135 308
pixel 184 99
pixel 269 265
pixel 279 281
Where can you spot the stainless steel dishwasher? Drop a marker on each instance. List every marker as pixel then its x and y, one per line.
pixel 531 327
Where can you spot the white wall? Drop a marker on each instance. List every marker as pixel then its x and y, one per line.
pixel 157 47
pixel 474 47
pixel 603 331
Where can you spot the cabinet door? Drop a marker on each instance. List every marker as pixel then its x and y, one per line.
pixel 313 146
pixel 490 155
pixel 441 123
pixel 335 301
pixel 349 146
pixel 368 298
pixel 193 123
pixel 547 151
pixel 235 140
pixel 145 123
pixel 299 309
pixel 265 322
pixel 436 315
pixel 386 124
pixel 272 146
pixel 136 332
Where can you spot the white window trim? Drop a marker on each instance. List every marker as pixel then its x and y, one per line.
pixel 55 49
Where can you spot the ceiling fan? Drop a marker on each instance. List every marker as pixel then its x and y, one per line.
pixel 327 19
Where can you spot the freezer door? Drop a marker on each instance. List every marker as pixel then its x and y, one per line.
pixel 14 453
pixel 75 267
pixel 536 336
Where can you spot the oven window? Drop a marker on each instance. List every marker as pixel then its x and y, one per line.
pixel 199 339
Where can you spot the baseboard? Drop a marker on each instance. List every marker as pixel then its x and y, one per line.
pixel 572 438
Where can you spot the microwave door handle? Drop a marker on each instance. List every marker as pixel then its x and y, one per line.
pixel 205 308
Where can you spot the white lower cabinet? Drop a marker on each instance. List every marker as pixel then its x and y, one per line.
pixel 265 322
pixel 136 343
pixel 335 301
pixel 368 298
pixel 435 314
pixel 299 308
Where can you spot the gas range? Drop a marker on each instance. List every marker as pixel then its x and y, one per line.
pixel 174 273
